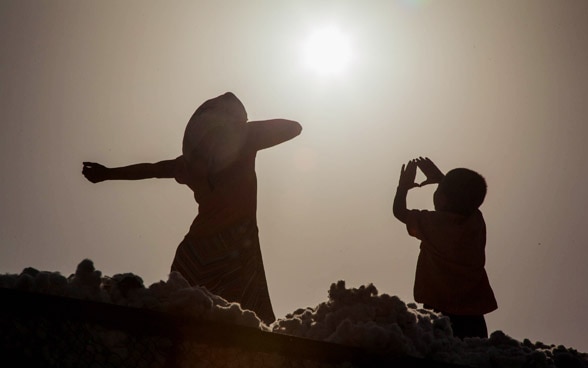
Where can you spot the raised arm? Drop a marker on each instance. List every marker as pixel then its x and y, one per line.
pixel 96 172
pixel 267 133
pixel 431 171
pixel 405 183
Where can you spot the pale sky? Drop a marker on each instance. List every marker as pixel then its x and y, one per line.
pixel 497 86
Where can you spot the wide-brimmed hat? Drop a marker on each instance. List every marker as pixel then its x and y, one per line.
pixel 225 109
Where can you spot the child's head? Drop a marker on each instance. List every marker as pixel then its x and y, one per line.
pixel 461 191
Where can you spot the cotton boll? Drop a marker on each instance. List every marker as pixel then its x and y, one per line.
pixel 41 284
pixel 26 279
pixel 568 358
pixel 124 289
pixel 162 289
pixel 188 302
pixel 293 325
pixel 158 289
pixel 50 283
pixel 176 281
pixel 442 327
pixel 85 271
pixel 234 314
pixel 58 283
pixel 30 271
pixel 430 334
pixel 217 300
pixel 25 282
pixel 127 283
pixel 109 286
pixel 8 281
pixel 85 283
pixel 499 338
pixel 340 295
pixel 537 359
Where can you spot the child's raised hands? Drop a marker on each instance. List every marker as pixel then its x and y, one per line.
pixel 431 171
pixel 408 175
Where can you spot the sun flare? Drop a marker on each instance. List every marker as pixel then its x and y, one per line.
pixel 327 51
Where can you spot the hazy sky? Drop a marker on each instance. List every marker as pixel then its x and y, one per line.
pixel 497 86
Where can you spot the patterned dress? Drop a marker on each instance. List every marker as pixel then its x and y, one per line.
pixel 221 251
pixel 228 264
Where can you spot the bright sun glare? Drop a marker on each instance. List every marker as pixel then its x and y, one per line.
pixel 327 51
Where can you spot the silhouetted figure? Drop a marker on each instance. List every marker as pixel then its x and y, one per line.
pixel 221 250
pixel 450 275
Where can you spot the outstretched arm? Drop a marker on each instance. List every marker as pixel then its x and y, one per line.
pixel 96 172
pixel 268 133
pixel 405 183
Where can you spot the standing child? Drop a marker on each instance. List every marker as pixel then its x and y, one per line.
pixel 450 275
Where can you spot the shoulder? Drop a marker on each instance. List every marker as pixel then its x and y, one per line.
pixel 420 222
pixel 476 221
pixel 417 220
pixel 434 216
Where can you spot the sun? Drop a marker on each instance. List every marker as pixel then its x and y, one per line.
pixel 327 51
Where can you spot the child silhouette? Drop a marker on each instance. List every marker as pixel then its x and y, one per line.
pixel 221 251
pixel 450 275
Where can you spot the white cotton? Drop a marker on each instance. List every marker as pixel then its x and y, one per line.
pixel 378 323
pixel 360 317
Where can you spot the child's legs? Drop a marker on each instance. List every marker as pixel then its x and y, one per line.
pixel 468 326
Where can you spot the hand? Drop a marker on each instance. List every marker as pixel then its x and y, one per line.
pixel 95 172
pixel 407 175
pixel 431 171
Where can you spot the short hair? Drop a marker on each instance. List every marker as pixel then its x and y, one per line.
pixel 465 190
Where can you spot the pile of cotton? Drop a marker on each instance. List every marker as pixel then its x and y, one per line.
pixel 173 296
pixel 381 324
pixel 384 324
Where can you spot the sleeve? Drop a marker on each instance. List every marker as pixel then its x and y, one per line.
pixel 426 225
pixel 416 223
pixel 181 170
pixel 268 133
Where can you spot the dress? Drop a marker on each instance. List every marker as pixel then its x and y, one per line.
pixel 221 250
pixel 450 274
